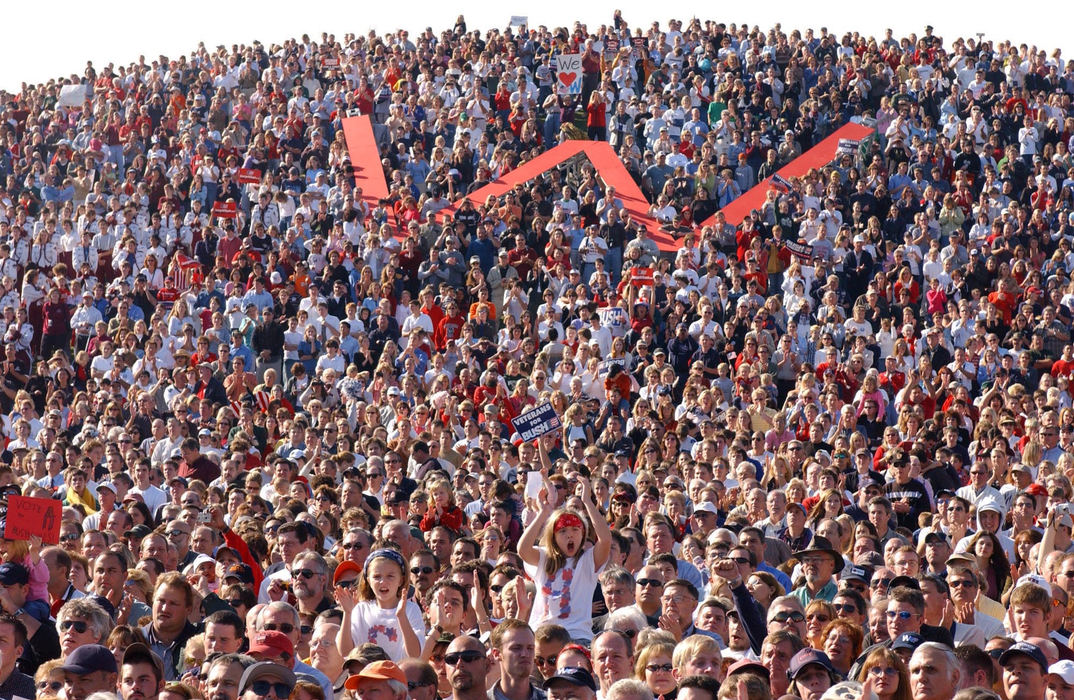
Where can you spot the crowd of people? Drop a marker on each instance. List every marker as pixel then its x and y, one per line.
pixel 823 452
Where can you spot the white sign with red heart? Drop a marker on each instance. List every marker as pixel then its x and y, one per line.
pixel 569 74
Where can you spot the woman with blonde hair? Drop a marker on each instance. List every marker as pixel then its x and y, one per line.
pixel 654 668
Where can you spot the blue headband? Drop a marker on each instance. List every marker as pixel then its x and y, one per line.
pixel 386 553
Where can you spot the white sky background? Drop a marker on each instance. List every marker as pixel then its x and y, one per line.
pixel 56 39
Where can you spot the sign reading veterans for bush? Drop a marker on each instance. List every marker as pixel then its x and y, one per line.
pixel 569 74
pixel 847 147
pixel 540 421
pixel 28 516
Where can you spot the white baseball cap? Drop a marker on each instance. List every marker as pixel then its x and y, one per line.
pixel 1064 669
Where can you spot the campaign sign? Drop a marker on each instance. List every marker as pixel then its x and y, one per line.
pixel 540 421
pixel 520 20
pixel 225 210
pixel 569 74
pixel 847 147
pixel 641 276
pixel 611 47
pixel 248 176
pixel 28 516
pixel 330 62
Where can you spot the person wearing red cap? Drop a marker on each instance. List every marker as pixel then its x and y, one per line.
pixel 378 681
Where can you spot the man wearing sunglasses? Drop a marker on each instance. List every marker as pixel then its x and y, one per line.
pixel 309 579
pixel 467 665
pixel 280 620
pixel 266 679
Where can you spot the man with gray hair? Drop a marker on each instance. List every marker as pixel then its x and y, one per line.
pixel 309 577
pixel 617 584
pixel 934 672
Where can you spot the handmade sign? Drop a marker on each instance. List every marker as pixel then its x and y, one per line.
pixel 540 421
pixel 800 249
pixel 28 516
pixel 569 74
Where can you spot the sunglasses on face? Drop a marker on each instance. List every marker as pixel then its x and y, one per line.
pixel 650 583
pixel 262 688
pixel 421 570
pixel 306 573
pixel 80 626
pixel 784 617
pixel 235 602
pixel 50 685
pixel 469 656
pixel 901 614
pixel 881 582
pixel 285 627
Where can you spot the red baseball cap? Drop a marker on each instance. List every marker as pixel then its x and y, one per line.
pixel 272 643
pixel 344 568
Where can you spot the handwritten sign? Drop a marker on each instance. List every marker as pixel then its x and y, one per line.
pixel 519 20
pixel 28 516
pixel 569 74
pixel 641 47
pixel 540 421
pixel 225 210
pixel 248 176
